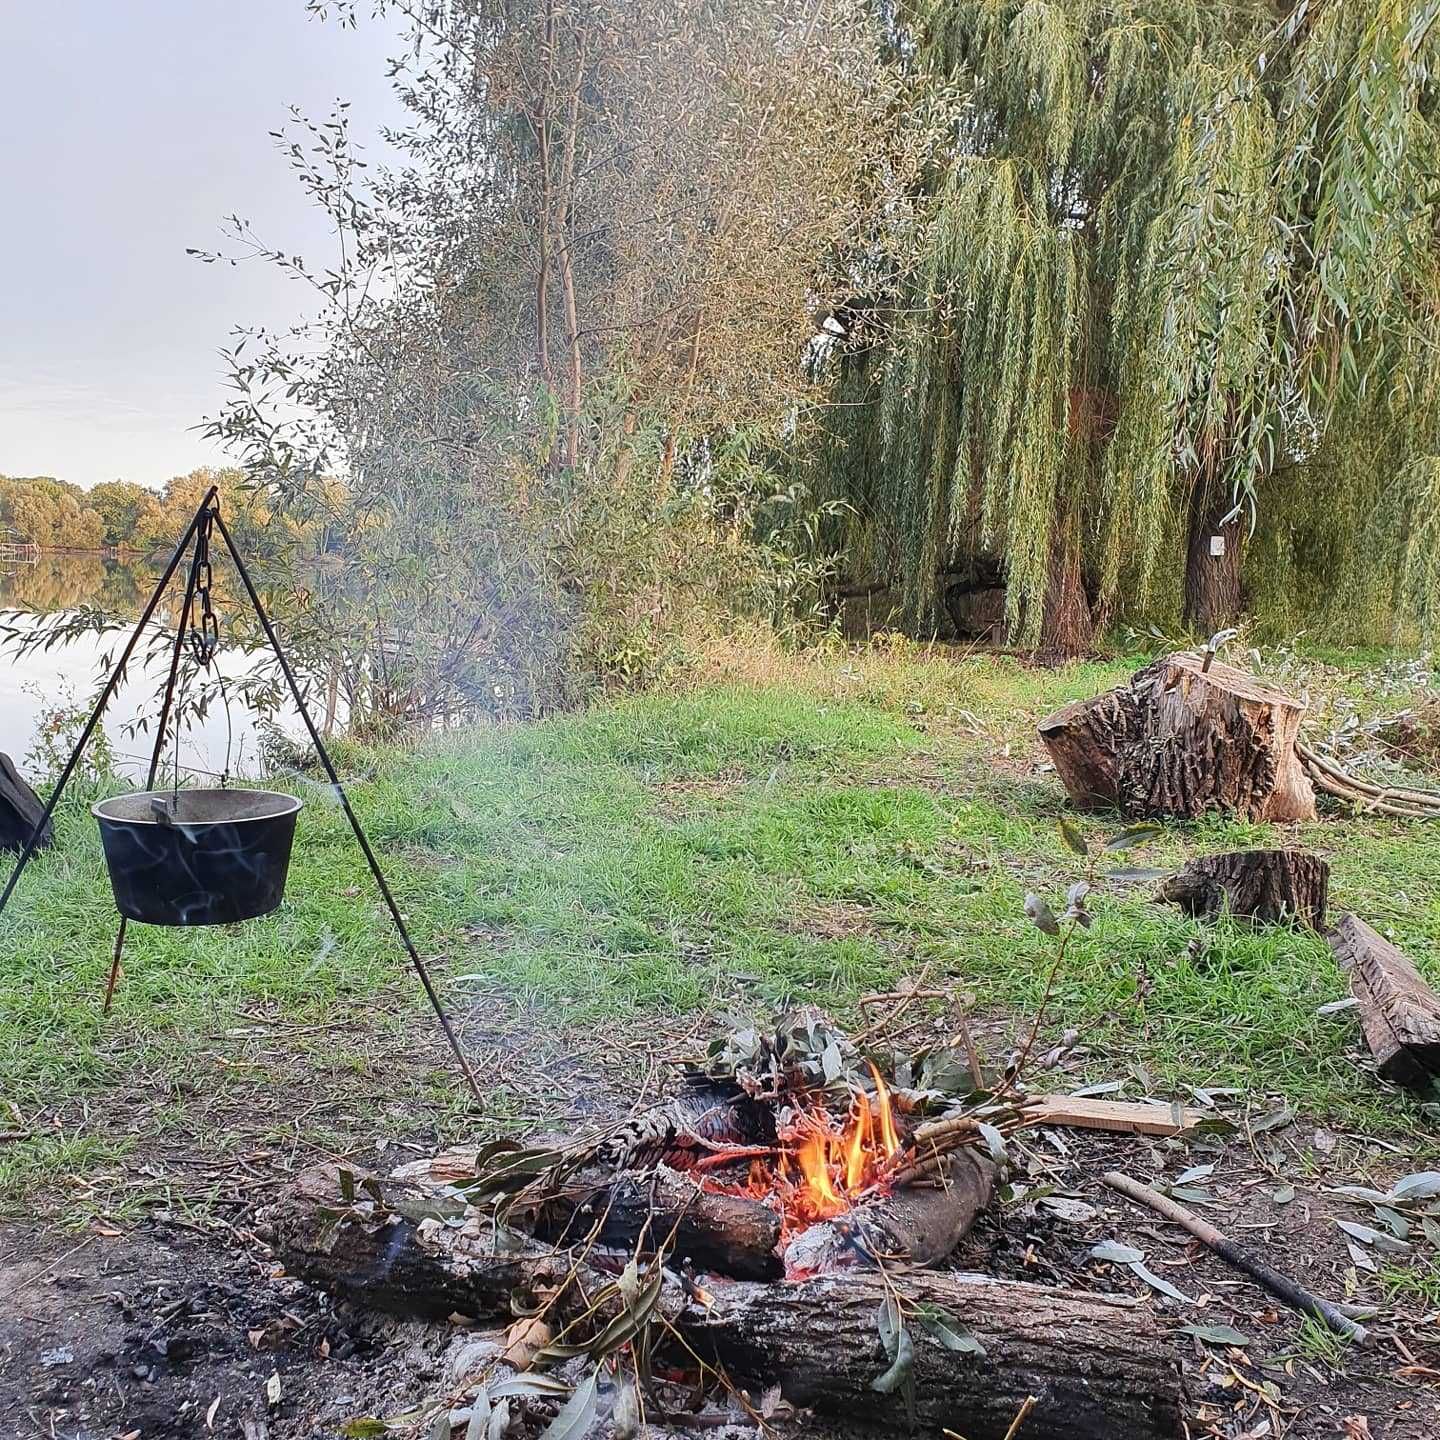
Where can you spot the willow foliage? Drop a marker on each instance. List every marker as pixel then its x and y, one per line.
pixel 1170 257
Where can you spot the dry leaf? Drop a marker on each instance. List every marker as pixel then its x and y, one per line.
pixel 272 1388
pixel 523 1339
pixel 210 1413
pixel 1356 1427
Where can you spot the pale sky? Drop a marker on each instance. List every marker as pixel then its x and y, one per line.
pixel 128 130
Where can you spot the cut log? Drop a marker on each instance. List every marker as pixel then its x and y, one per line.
pixel 1399 1012
pixel 1268 885
pixel 1100 1366
pixel 21 810
pixel 1178 741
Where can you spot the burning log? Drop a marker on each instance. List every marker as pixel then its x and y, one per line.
pixel 916 1224
pixel 1098 1365
pixel 1267 885
pixel 731 1233
pixel 1180 740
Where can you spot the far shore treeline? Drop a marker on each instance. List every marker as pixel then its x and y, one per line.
pixel 123 516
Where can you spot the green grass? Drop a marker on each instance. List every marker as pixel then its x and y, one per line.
pixel 803 832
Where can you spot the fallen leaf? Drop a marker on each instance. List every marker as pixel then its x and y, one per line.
pixel 210 1413
pixel 524 1340
pixel 272 1388
pixel 1356 1427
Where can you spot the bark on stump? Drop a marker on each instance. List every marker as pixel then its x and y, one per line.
pixel 1267 885
pixel 20 810
pixel 1399 1012
pixel 1100 1366
pixel 1178 741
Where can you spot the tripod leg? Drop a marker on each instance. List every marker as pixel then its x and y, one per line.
pixel 334 778
pixel 160 725
pixel 110 686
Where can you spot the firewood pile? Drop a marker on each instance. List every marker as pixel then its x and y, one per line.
pixel 775 1235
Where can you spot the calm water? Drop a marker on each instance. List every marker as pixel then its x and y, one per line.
pixel 36 683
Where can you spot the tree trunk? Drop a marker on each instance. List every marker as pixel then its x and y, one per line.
pixel 1179 740
pixel 1399 1012
pixel 1100 1366
pixel 1267 885
pixel 1212 561
pixel 1067 629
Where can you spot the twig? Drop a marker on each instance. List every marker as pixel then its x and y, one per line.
pixel 906 998
pixel 1331 777
pixel 1020 1416
pixel 1280 1286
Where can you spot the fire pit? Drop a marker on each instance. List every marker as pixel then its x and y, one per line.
pixel 772 1227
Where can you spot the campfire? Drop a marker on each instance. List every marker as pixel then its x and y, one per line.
pixel 819 1170
pixel 773 1234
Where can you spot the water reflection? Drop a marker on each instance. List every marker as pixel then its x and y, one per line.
pixel 34 684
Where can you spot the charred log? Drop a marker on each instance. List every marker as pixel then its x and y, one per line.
pixel 1099 1366
pixel 1179 740
pixel 1267 885
pixel 918 1224
pixel 666 1210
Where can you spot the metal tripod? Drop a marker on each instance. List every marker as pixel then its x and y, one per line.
pixel 206 522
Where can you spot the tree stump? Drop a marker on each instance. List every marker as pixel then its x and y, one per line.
pixel 1178 741
pixel 1267 885
pixel 1399 1012
pixel 20 810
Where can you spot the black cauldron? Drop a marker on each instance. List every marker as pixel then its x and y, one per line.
pixel 197 857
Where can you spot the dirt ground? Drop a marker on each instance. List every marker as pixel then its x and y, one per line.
pixel 159 1330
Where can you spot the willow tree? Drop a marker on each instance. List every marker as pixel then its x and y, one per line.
pixel 1173 278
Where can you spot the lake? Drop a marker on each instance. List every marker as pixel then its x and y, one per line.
pixel 32 685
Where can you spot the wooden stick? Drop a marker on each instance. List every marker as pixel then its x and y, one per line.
pixel 1280 1286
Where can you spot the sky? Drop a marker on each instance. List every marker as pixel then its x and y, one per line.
pixel 128 130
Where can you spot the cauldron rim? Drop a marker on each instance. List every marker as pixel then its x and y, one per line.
pixel 290 805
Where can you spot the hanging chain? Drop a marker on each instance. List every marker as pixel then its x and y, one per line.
pixel 204 636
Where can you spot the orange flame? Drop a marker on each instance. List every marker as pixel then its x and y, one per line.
pixel 889 1139
pixel 820 1172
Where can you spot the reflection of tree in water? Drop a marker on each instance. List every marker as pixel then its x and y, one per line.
pixel 55 582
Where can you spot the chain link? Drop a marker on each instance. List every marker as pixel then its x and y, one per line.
pixel 204 635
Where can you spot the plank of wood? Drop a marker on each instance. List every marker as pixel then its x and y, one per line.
pixel 1399 1012
pixel 1123 1117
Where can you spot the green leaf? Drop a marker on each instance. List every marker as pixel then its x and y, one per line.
pixel 480 1411
pixel 1133 835
pixel 1216 1334
pixel 1423 1185
pixel 365 1428
pixel 994 1142
pixel 578 1415
pixel 948 1331
pixel 1158 1282
pixel 900 1375
pixel 1116 1253
pixel 1074 840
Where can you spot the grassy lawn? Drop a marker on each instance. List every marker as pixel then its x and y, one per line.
pixel 784 831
